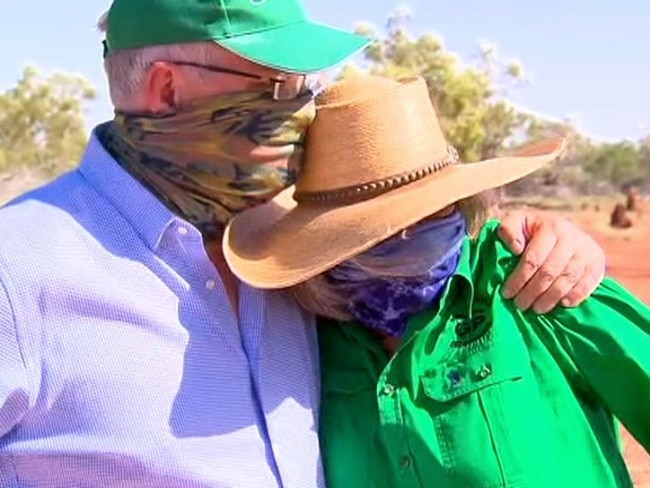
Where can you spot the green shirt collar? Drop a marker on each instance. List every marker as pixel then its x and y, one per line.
pixel 460 289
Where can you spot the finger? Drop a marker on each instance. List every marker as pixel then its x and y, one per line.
pixel 586 285
pixel 512 232
pixel 572 274
pixel 551 269
pixel 538 250
pixel 546 275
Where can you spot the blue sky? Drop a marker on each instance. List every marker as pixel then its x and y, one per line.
pixel 587 60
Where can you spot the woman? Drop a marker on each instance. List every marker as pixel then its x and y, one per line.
pixel 430 377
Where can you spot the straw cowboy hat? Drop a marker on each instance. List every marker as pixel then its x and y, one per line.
pixel 375 163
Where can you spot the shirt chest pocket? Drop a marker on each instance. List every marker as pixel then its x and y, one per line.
pixel 477 396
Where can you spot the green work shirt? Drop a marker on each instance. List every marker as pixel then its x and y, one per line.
pixel 482 395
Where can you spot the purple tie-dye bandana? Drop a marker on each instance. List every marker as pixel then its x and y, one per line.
pixel 424 260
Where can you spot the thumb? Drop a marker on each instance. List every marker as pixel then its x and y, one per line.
pixel 514 230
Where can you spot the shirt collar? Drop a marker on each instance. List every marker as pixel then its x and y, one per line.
pixel 461 288
pixel 146 214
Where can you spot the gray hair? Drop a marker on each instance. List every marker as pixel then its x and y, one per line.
pixel 126 69
pixel 319 297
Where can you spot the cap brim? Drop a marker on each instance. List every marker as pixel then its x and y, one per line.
pixel 280 244
pixel 304 47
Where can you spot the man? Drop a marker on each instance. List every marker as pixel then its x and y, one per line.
pixel 129 355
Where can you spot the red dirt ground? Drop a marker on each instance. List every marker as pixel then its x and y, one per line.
pixel 628 258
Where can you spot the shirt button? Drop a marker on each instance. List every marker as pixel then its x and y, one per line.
pixel 455 378
pixel 182 231
pixel 483 372
pixel 210 284
pixel 389 390
pixel 404 462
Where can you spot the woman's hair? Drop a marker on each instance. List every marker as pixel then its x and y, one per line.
pixel 318 295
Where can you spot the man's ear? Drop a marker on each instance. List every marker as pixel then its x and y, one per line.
pixel 161 82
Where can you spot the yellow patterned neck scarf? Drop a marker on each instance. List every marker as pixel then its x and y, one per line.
pixel 215 157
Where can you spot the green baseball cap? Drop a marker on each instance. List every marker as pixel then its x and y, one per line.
pixel 273 33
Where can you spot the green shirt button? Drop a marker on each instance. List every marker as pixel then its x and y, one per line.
pixel 483 372
pixel 389 390
pixel 404 462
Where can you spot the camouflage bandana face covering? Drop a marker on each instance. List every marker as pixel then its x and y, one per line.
pixel 215 157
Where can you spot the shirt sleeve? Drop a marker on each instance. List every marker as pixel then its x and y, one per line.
pixel 605 349
pixel 14 389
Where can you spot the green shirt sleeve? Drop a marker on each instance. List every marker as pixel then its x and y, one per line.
pixel 604 347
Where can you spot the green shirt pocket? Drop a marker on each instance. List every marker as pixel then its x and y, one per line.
pixel 476 394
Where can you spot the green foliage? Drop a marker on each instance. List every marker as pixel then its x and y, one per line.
pixel 644 157
pixel 617 163
pixel 42 122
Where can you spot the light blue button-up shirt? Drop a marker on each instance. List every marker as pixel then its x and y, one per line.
pixel 121 361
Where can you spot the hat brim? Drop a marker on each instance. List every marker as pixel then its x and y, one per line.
pixel 280 244
pixel 304 47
